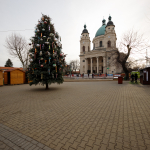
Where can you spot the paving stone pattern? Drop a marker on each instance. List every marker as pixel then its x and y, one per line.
pixel 13 140
pixel 75 116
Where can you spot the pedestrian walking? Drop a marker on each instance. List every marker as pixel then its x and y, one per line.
pixel 132 77
pixel 88 75
pixel 136 76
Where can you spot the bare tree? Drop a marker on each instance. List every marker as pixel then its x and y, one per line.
pixel 75 64
pixel 132 44
pixel 18 48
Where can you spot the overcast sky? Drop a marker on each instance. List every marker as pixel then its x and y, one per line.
pixel 69 17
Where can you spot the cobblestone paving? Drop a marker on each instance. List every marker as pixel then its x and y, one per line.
pixel 75 116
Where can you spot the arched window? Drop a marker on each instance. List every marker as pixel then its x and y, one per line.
pixel 83 48
pixel 88 48
pixel 94 46
pixel 108 44
pixel 100 44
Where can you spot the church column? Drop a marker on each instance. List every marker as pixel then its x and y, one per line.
pixel 97 65
pixel 91 66
pixel 86 65
pixel 104 64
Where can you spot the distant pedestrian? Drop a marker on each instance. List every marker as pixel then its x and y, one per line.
pixel 132 77
pixel 92 75
pixel 88 75
pixel 100 74
pixel 136 76
pixel 106 74
pixel 83 75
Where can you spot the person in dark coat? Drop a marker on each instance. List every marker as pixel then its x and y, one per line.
pixel 132 77
pixel 136 78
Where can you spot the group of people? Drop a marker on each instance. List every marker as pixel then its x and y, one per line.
pixel 88 75
pixel 134 77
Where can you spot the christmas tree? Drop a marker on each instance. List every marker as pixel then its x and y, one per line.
pixel 9 63
pixel 46 58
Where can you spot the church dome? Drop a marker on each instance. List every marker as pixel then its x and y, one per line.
pixel 101 30
pixel 85 30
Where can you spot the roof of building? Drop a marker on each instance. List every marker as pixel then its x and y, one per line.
pixel 7 68
pixel 10 68
pixel 145 68
pixel 85 30
pixel 101 30
pixel 110 23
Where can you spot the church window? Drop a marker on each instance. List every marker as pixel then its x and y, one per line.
pixel 83 60
pixel 88 49
pixel 108 44
pixel 83 48
pixel 100 44
pixel 108 28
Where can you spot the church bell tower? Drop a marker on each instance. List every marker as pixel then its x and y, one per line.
pixel 84 41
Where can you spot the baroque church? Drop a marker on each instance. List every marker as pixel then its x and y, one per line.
pixel 99 59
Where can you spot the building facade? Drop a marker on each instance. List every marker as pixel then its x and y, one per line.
pixel 100 58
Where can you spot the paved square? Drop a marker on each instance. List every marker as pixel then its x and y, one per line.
pixel 75 116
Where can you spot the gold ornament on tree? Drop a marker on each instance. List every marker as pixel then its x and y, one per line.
pixel 41 76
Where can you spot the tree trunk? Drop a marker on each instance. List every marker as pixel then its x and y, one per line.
pixel 125 70
pixel 127 75
pixel 46 86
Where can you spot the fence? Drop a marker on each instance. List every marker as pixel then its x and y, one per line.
pixel 88 76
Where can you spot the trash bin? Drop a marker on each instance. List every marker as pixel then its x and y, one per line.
pixel 120 80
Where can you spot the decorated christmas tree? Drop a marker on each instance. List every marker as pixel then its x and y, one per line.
pixel 46 58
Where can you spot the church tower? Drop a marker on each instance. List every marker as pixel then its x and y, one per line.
pixel 110 34
pixel 84 49
pixel 84 41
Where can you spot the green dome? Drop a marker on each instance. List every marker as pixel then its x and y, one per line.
pixel 100 31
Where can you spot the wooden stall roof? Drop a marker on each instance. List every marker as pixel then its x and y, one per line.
pixel 14 69
pixel 145 68
pixel 9 68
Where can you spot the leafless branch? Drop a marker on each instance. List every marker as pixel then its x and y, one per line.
pixel 18 47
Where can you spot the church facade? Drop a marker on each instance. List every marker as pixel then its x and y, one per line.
pixel 99 59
